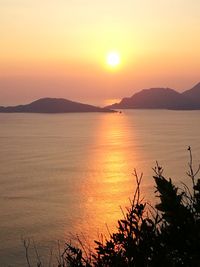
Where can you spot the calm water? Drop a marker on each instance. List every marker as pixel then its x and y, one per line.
pixel 68 174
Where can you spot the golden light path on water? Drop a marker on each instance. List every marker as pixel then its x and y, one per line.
pixel 68 174
pixel 106 190
pixel 119 145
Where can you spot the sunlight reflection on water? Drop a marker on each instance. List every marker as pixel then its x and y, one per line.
pixel 70 173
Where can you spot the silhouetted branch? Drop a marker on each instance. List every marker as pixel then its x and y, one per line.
pixel 26 243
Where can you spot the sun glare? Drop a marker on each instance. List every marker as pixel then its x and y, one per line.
pixel 113 59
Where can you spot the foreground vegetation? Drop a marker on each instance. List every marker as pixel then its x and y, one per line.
pixel 165 235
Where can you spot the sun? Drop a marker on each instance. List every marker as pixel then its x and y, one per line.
pixel 113 59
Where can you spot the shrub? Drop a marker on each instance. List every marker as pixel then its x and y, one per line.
pixel 167 235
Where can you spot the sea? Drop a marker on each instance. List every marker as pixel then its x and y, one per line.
pixel 67 177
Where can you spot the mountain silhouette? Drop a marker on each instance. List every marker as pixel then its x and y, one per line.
pixel 161 98
pixel 54 105
pixel 193 94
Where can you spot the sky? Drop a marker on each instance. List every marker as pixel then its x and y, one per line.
pixel 58 48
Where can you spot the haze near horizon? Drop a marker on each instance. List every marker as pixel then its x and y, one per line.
pixel 60 48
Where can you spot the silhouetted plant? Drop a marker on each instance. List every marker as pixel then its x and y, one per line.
pixel 167 235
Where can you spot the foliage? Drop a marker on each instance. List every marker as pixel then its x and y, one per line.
pixel 167 235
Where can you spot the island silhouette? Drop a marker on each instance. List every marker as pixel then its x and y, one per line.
pixel 161 98
pixel 54 105
pixel 153 98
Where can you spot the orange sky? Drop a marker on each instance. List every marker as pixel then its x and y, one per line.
pixel 58 48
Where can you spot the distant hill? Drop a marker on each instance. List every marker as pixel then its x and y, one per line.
pixel 193 94
pixel 161 98
pixel 54 105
